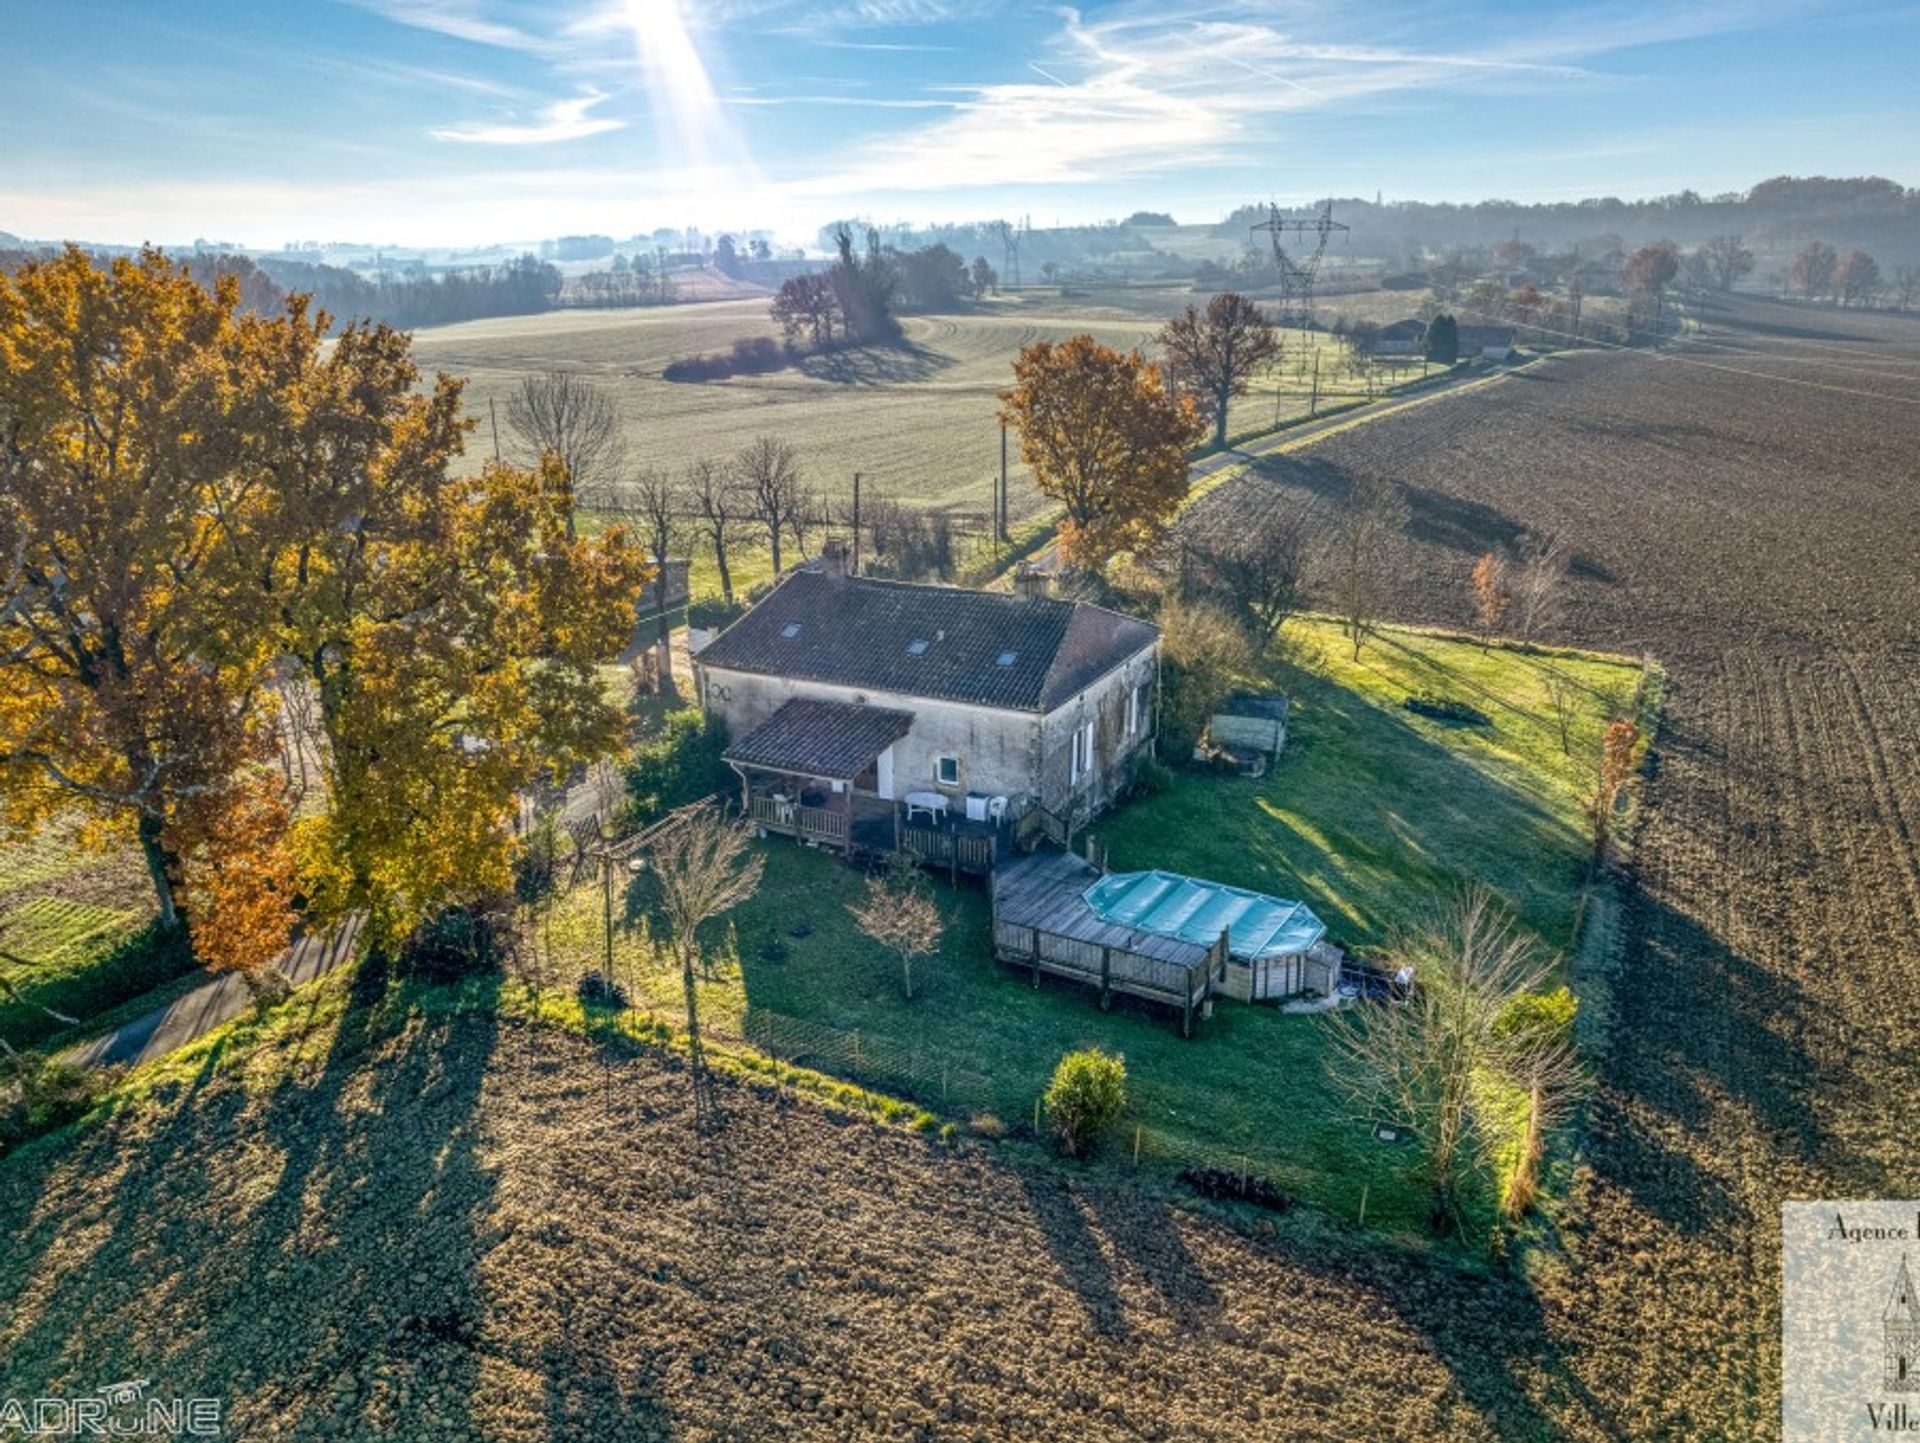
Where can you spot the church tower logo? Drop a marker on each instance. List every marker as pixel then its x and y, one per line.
pixel 1900 1335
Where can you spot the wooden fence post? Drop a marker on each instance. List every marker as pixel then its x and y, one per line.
pixel 1036 957
pixel 1106 978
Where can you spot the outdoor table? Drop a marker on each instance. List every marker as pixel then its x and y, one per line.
pixel 934 804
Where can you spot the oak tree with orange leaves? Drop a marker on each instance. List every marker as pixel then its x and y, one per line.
pixel 129 463
pixel 195 503
pixel 1107 438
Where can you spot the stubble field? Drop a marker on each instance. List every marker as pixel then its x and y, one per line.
pixel 917 420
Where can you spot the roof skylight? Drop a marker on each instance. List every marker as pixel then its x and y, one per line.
pixel 916 647
pixel 790 630
pixel 1005 659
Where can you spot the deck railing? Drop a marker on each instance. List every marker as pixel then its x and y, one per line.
pixel 1113 969
pixel 969 851
pixel 822 824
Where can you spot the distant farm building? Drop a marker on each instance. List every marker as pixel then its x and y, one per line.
pixel 1402 338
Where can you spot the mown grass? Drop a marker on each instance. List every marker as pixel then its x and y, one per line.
pixel 1373 811
pixel 80 923
pixel 1373 816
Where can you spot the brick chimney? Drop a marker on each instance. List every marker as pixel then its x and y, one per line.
pixel 833 557
pixel 1031 582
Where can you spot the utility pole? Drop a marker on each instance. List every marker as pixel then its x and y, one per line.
pixel 494 416
pixel 606 874
pixel 1314 409
pixel 1000 518
pixel 856 524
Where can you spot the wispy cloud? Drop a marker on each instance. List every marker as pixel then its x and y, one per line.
pixel 562 120
pixel 1143 90
pixel 468 20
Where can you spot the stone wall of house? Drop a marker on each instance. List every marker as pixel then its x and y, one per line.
pixel 996 750
pixel 1000 753
pixel 1116 748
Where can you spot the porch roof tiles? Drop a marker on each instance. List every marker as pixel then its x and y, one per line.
pixel 831 739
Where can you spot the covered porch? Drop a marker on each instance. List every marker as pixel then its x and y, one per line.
pixel 822 772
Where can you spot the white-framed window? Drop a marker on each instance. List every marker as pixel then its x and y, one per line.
pixel 946 771
pixel 1080 758
pixel 1133 712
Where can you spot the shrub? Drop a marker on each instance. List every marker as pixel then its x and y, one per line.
pixel 1203 650
pixel 986 1124
pixel 681 764
pixel 1540 1016
pixel 38 1095
pixel 1446 709
pixel 537 858
pixel 712 614
pixel 599 990
pixel 460 942
pixel 1084 1099
pixel 1151 777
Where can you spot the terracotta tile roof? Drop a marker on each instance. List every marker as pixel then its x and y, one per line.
pixel 832 739
pixel 943 642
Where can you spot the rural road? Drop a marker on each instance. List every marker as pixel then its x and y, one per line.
pixel 220 1000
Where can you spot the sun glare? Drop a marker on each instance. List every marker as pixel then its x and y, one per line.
pixel 688 119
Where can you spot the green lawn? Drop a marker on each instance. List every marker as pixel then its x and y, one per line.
pixel 1372 814
pixel 1373 811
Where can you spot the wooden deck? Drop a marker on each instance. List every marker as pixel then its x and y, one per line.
pixel 869 826
pixel 1041 921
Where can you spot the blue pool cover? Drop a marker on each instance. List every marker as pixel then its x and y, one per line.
pixel 1194 911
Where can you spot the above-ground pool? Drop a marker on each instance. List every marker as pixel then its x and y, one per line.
pixel 1258 926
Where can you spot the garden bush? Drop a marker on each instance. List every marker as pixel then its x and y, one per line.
pixel 1084 1100
pixel 1447 709
pixel 460 942
pixel 38 1095
pixel 680 764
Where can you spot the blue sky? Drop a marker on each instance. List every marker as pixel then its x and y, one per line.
pixel 441 122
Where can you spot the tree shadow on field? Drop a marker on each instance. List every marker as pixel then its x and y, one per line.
pixel 877 365
pixel 1075 1248
pixel 306 1250
pixel 1439 519
pixel 1146 1233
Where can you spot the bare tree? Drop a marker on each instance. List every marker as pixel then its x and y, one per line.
pixel 1727 260
pixel 900 914
pixel 650 503
pixel 560 414
pixel 769 474
pixel 705 867
pixel 1856 279
pixel 1365 544
pixel 1614 765
pixel 1906 286
pixel 1421 1062
pixel 1491 598
pixel 1260 568
pixel 714 495
pixel 1217 351
pixel 1563 697
pixel 1539 584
